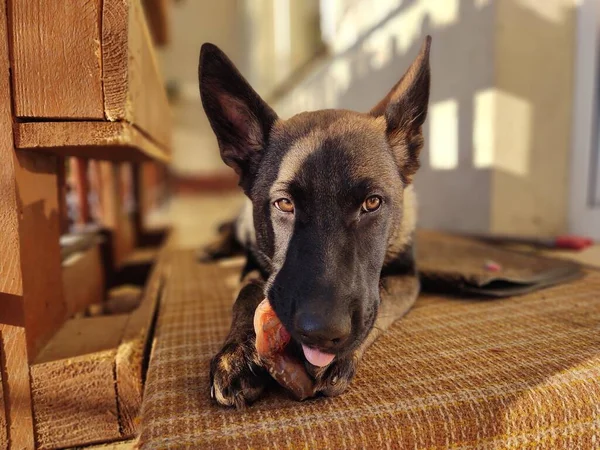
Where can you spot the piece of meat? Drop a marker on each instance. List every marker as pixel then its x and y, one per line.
pixel 271 341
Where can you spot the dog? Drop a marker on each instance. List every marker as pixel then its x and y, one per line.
pixel 328 226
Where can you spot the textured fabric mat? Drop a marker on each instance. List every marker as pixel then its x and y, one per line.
pixel 511 373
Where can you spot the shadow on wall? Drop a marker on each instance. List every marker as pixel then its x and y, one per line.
pixel 498 130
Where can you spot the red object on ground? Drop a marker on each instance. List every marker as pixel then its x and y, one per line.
pixel 573 242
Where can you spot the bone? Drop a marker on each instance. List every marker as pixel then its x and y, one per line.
pixel 272 340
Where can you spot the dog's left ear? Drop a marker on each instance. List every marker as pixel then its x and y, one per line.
pixel 240 119
pixel 405 110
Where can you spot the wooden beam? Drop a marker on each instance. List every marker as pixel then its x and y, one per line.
pixel 14 368
pixel 3 409
pixel 29 218
pixel 114 216
pixel 133 87
pixel 57 71
pixel 10 261
pixel 15 384
pixel 63 213
pixel 79 168
pixel 115 141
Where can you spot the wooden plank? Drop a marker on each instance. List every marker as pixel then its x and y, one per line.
pixel 131 353
pixel 57 70
pixel 83 280
pixel 15 380
pixel 43 300
pixel 115 141
pixel 10 261
pixel 73 384
pixel 133 87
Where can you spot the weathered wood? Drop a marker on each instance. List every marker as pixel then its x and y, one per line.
pixel 57 70
pixel 133 88
pixel 131 353
pixel 116 141
pixel 17 393
pixel 83 280
pixel 73 384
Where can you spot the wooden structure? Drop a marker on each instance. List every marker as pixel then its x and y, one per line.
pixel 82 106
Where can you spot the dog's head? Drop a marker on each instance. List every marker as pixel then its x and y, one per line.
pixel 328 190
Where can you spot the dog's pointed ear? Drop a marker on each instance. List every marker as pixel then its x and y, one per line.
pixel 240 119
pixel 405 110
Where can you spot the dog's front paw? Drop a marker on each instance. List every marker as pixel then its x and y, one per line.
pixel 236 378
pixel 334 379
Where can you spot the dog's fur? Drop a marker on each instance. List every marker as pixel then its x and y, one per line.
pixel 336 274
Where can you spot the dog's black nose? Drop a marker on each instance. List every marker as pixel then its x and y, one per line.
pixel 321 330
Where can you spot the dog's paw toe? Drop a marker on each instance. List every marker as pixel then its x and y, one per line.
pixel 337 376
pixel 235 377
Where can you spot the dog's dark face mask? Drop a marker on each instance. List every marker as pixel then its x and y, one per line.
pixel 330 191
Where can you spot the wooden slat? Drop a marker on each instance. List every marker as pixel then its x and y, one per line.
pixel 114 216
pixel 83 280
pixel 133 88
pixel 43 300
pixel 116 141
pixel 57 71
pixel 73 384
pixel 79 168
pixel 130 356
pixel 17 393
pixel 63 213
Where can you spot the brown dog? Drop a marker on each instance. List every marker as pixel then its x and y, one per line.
pixel 328 226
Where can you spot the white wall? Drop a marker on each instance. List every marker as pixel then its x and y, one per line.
pixel 376 42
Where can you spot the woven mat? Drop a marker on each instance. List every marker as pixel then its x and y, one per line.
pixel 510 373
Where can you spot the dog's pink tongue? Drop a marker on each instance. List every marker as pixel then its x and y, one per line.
pixel 317 357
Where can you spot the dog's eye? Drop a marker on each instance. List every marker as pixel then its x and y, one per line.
pixel 285 205
pixel 372 203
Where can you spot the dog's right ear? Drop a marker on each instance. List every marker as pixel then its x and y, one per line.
pixel 240 119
